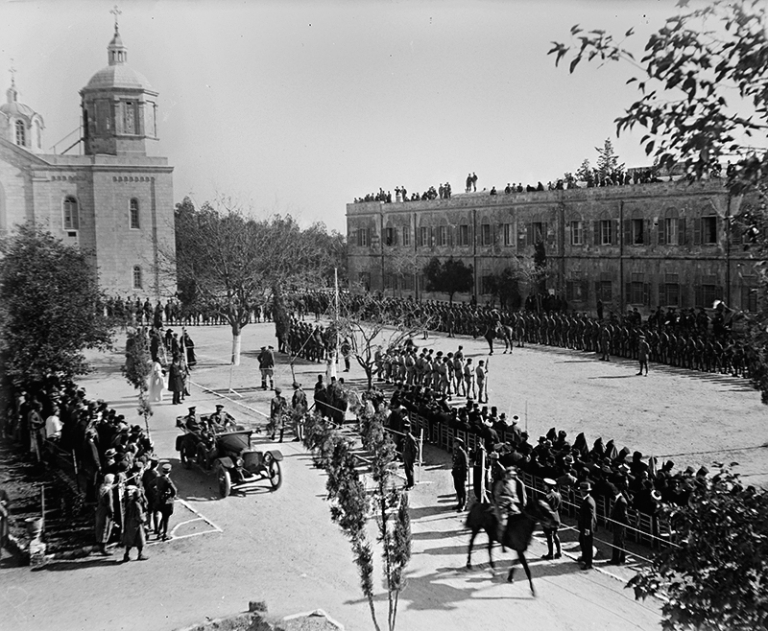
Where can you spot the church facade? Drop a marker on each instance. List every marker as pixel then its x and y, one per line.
pixel 113 201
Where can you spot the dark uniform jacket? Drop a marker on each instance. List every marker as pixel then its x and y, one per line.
pixel 588 514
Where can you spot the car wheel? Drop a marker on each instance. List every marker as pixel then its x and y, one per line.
pixel 225 481
pixel 275 474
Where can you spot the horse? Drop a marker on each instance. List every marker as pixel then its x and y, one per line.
pixel 517 534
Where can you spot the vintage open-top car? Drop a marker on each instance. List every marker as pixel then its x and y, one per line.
pixel 227 451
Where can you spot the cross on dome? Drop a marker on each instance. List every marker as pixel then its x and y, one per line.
pixel 12 70
pixel 117 13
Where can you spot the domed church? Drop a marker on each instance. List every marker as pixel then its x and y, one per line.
pixel 113 200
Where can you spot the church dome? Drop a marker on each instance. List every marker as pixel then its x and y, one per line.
pixel 14 108
pixel 118 76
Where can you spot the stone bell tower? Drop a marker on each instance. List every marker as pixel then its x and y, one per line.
pixel 119 106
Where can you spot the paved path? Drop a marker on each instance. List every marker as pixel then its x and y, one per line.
pixel 281 547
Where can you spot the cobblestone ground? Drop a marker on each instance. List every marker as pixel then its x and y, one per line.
pixel 282 548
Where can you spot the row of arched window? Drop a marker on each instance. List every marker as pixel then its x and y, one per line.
pixel 72 214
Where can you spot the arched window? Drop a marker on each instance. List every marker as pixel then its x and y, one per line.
pixel 21 134
pixel 137 281
pixel 134 220
pixel 71 213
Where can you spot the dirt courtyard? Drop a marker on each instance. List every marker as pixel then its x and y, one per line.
pixel 689 417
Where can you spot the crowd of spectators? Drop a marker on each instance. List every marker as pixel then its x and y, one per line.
pixel 443 191
pixel 588 178
pixel 103 456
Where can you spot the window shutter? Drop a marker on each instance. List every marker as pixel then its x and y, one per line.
pixel 596 233
pixel 627 232
pixel 662 231
pixel 627 293
pixel 647 232
pixel 450 235
pixel 697 231
pixel 684 296
pixel 585 290
pixel 718 293
pixel 615 227
pixel 647 294
pixel 698 296
pixel 368 235
pixel 682 236
pixel 598 293
pixel 662 295
pixel 529 234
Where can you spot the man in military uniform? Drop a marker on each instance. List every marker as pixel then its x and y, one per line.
pixel 410 451
pixel 459 469
pixel 299 405
pixel 643 350
pixel 267 367
pixel 277 409
pixel 587 522
pixel 220 420
pixel 481 373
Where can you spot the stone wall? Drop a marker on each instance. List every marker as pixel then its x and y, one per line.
pixel 668 244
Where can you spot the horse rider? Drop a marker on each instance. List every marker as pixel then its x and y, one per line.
pixel 508 497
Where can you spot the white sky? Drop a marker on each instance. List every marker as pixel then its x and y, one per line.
pixel 300 106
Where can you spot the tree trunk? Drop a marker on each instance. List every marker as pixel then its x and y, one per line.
pixel 237 335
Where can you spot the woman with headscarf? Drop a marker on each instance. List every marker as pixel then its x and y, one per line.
pixel 105 511
pixel 581 445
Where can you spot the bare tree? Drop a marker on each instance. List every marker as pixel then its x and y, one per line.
pixel 232 263
pixel 371 323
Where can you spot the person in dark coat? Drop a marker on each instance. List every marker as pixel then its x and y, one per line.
pixel 148 481
pixel 459 470
pixel 105 511
pixel 587 523
pixel 135 518
pixel 189 348
pixel 551 503
pixel 176 381
pixel 410 451
pixel 620 521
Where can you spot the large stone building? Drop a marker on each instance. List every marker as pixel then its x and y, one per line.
pixel 114 200
pixel 645 245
